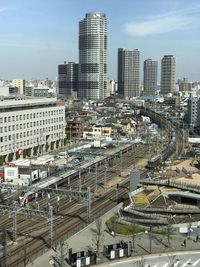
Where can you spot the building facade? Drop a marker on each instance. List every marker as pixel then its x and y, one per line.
pixel 93 56
pixel 29 124
pixel 150 72
pixel 193 115
pixel 168 74
pixel 111 87
pixel 128 72
pixel 20 84
pixel 67 79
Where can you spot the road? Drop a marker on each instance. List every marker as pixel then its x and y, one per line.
pixel 179 259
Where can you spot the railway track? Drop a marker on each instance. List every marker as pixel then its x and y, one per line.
pixel 70 216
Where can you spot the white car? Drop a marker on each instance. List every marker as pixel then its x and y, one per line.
pixel 63 155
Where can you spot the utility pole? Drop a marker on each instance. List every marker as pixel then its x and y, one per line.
pixel 120 161
pixel 95 177
pixel 4 244
pixel 79 179
pixel 168 232
pixel 150 239
pixel 105 173
pixel 50 221
pixel 62 263
pixel 88 204
pixel 14 226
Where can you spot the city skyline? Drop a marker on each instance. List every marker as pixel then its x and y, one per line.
pixel 36 37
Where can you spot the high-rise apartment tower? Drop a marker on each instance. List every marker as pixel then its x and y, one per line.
pixel 128 72
pixel 168 74
pixel 150 71
pixel 92 56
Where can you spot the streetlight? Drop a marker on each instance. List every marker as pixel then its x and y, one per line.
pixel 169 228
pixel 150 239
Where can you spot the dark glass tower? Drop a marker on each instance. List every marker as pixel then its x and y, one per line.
pixel 67 79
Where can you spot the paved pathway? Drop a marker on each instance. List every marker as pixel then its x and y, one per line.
pixel 159 243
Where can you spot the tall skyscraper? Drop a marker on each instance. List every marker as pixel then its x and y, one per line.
pixel 168 74
pixel 67 79
pixel 93 56
pixel 150 72
pixel 128 72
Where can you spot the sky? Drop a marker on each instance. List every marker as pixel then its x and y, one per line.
pixel 37 35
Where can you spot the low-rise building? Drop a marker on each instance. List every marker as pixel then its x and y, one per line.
pixel 74 128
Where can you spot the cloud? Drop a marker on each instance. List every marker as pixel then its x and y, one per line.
pixel 173 21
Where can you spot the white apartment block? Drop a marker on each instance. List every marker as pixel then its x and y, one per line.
pixel 30 123
pixel 20 84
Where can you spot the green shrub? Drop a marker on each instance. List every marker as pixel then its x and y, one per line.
pixel 123 229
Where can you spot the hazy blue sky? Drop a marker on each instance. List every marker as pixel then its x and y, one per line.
pixel 37 35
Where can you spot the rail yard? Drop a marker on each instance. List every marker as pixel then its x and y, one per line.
pixel 36 218
pixel 49 217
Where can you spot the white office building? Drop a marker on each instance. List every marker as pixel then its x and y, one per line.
pixel 34 124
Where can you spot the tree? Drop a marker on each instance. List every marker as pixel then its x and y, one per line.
pixel 98 235
pixel 171 260
pixel 113 224
pixel 141 262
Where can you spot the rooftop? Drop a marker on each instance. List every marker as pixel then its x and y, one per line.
pixel 10 103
